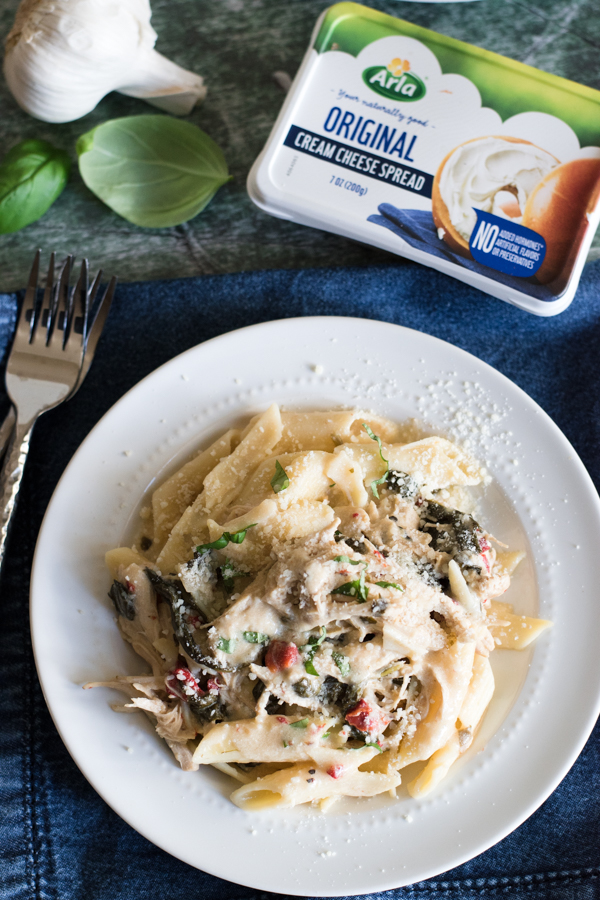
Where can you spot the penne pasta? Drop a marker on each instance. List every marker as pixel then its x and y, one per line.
pixel 316 619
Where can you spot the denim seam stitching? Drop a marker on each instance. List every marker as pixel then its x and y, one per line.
pixel 575 876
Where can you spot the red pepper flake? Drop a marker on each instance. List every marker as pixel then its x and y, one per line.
pixel 282 720
pixel 335 771
pixel 281 655
pixel 130 586
pixel 213 684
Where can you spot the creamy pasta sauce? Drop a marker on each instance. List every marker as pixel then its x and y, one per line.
pixel 316 602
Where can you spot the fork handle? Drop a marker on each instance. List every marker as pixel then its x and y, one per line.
pixel 11 477
pixel 6 429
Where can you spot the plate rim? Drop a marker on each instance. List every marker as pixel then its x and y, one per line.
pixel 576 747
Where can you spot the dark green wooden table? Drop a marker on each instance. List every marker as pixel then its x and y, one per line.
pixel 237 45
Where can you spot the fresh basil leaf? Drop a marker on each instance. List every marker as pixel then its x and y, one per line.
pixel 256 637
pixel 155 171
pixel 280 480
pixel 349 589
pixel 309 667
pixel 389 584
pixel 301 723
pixel 374 745
pixel 342 662
pixel 226 645
pixel 356 588
pixel 346 559
pixel 375 484
pixel 236 537
pixel 32 175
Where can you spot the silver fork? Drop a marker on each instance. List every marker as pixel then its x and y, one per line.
pixel 95 319
pixel 48 361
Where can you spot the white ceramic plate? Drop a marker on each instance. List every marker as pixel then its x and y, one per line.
pixel 541 500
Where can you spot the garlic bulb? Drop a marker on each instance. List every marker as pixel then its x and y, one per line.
pixel 63 56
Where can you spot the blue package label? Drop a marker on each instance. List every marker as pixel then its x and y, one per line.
pixel 506 246
pixel 331 150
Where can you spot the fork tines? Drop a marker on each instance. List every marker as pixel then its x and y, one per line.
pixel 59 308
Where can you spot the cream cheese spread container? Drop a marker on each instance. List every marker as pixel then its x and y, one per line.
pixel 436 150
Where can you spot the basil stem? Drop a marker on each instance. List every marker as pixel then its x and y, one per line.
pixel 377 481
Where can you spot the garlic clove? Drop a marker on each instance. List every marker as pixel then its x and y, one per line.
pixel 63 56
pixel 165 84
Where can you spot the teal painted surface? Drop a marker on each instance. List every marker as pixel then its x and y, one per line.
pixel 237 45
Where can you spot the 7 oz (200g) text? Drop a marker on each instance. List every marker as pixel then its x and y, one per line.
pixel 348 185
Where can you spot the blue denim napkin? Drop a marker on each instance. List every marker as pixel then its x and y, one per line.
pixel 58 839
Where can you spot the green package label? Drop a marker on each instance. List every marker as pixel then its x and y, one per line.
pixel 407 139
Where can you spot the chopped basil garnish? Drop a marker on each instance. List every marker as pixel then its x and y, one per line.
pixel 377 481
pixel 342 662
pixel 226 645
pixel 389 584
pixel 256 637
pixel 237 537
pixel 228 573
pixel 285 743
pixel 377 747
pixel 301 723
pixel 233 537
pixel 346 559
pixel 311 648
pixel 280 480
pixel 356 588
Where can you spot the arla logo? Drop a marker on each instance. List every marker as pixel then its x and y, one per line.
pixel 395 81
